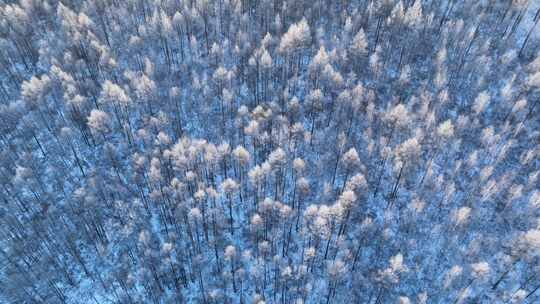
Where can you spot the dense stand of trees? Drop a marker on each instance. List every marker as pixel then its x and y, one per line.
pixel 240 151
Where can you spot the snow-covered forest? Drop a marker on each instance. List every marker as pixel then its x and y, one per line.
pixel 272 151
